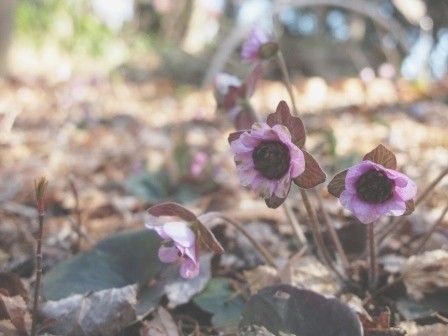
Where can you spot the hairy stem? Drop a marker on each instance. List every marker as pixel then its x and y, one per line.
pixel 292 219
pixel 314 226
pixel 38 273
pixel 333 234
pixel 287 80
pixel 373 270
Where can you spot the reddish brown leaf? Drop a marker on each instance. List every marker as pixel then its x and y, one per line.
pixel 172 209
pixel 234 136
pixel 383 156
pixel 295 126
pixel 208 238
pixel 410 207
pixel 313 174
pixel 274 201
pixel 337 184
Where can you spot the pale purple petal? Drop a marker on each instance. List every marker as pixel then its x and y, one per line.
pixel 189 269
pixel 283 186
pixel 159 229
pixel 297 162
pixel 355 172
pixel 168 254
pixel 365 212
pixel 283 133
pixel 180 233
pixel 251 47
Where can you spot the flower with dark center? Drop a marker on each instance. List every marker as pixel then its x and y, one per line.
pixel 181 240
pixel 271 159
pixel 269 156
pixel 373 188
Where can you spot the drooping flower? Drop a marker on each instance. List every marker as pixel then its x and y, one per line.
pixel 259 45
pixel 269 156
pixel 232 96
pixel 182 240
pixel 180 244
pixel 374 188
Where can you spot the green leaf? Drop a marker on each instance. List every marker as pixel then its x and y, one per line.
pixel 289 310
pixel 150 187
pixel 219 300
pixel 123 259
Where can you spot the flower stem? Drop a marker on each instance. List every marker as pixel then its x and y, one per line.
pixel 373 270
pixel 287 80
pixel 314 226
pixel 333 234
pixel 269 259
pixel 38 273
pixel 292 219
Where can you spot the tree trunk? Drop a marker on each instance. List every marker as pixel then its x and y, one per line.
pixel 7 14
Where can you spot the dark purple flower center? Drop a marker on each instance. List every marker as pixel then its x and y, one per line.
pixel 374 187
pixel 271 159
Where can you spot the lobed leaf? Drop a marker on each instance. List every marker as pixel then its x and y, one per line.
pixel 313 174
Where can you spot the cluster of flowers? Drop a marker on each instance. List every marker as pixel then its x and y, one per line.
pixel 270 156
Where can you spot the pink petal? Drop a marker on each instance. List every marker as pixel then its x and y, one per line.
pixel 180 233
pixel 247 176
pixel 238 147
pixel 168 254
pixel 283 134
pixel 189 269
pixel 366 213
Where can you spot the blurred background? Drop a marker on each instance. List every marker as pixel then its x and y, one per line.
pixel 116 98
pixel 112 100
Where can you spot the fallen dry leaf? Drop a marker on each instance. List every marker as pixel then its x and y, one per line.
pixel 101 313
pixel 161 325
pixel 14 309
pixel 426 273
pixel 261 277
pixel 413 329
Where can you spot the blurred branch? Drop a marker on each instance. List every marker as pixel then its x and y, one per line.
pixel 362 7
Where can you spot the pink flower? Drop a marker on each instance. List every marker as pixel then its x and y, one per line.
pixel 373 188
pixel 258 46
pixel 180 245
pixel 182 239
pixel 232 96
pixel 269 156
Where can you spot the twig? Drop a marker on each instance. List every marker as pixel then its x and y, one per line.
pixel 373 271
pixel 78 223
pixel 269 259
pixel 428 234
pixel 314 226
pixel 334 235
pixel 40 189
